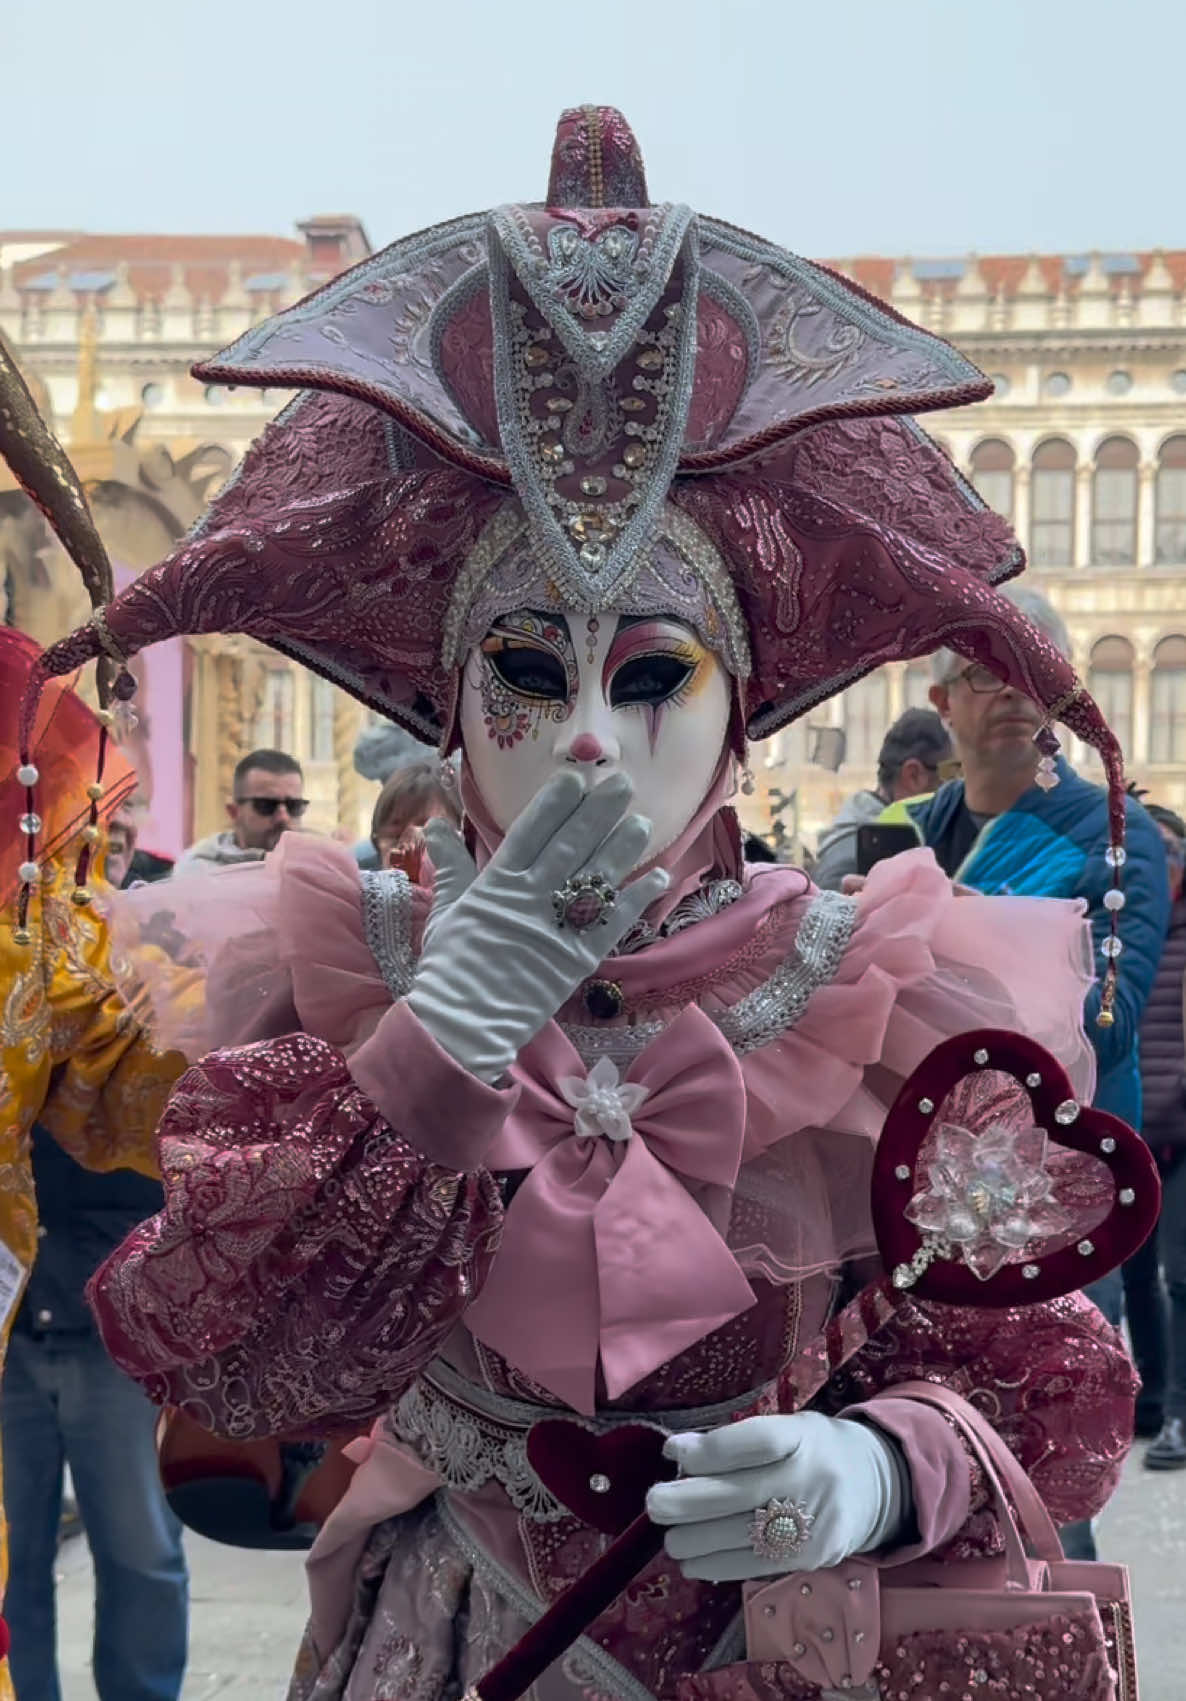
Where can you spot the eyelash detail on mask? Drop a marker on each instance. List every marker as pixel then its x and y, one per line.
pixel 511 707
pixel 648 647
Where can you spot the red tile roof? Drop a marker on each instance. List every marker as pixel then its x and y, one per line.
pixel 1003 272
pixel 205 260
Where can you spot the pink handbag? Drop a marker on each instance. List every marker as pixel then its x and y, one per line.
pixel 1038 1628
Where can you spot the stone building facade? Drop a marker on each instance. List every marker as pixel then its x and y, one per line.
pixel 1083 445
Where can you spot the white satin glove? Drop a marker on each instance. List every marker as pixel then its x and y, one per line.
pixel 495 965
pixel 852 1480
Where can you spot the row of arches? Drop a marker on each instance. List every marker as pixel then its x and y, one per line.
pixel 1115 499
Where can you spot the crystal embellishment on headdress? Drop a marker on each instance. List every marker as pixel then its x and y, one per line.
pixel 986 1198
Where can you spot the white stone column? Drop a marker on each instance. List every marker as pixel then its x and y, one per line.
pixel 897 691
pixel 1141 673
pixel 1146 514
pixel 1082 551
pixel 1021 503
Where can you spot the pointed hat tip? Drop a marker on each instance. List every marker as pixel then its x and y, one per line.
pixel 596 161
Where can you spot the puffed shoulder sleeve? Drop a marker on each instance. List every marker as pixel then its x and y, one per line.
pixel 1054 1380
pixel 311 1255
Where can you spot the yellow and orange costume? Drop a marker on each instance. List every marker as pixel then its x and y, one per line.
pixel 74 1055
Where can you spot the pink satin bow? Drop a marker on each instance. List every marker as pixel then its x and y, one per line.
pixel 604 1250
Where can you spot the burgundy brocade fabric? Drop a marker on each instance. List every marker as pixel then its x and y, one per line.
pixel 308 1261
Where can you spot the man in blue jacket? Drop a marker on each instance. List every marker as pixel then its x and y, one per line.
pixel 1007 828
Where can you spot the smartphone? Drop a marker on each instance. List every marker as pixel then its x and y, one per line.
pixel 876 841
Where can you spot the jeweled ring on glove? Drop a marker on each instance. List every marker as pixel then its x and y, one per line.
pixel 780 1529
pixel 583 902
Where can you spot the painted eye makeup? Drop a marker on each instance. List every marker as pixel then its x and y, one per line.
pixel 658 676
pixel 526 668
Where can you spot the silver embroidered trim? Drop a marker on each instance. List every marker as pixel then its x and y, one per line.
pixel 467 1454
pixel 762 1015
pixel 770 1009
pixel 702 556
pixel 387 921
pixel 508 527
pixel 589 590
pixel 500 533
pixel 511 234
pixel 471 1436
pixel 873 320
pixel 609 1678
pixel 702 905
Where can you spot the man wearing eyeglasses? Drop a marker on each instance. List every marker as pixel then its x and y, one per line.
pixel 1010 827
pixel 266 802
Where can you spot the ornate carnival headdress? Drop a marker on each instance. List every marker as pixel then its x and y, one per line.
pixel 606 404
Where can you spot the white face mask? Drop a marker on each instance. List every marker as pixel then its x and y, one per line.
pixel 602 694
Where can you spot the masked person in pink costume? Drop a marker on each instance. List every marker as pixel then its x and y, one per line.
pixel 595 489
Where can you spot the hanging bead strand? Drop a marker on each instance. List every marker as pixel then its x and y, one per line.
pixel 30 873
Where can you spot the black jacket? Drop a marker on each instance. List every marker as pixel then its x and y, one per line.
pixel 1163 1044
pixel 83 1216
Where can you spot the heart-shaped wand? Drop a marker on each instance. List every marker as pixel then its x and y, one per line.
pixel 968 1224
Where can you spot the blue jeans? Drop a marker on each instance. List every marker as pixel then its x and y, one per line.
pixel 63 1401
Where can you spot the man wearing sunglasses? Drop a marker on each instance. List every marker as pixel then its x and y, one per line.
pixel 267 800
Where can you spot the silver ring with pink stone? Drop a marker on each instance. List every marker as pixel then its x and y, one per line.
pixel 584 901
pixel 780 1529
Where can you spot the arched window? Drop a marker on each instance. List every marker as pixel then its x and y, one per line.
pixel 1052 504
pixel 1170 542
pixel 992 474
pixel 1109 679
pixel 1167 702
pixel 1114 504
pixel 866 719
pixel 274 725
pixel 321 719
pixel 917 685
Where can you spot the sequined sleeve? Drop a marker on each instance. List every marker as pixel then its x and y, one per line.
pixel 1054 1380
pixel 109 1083
pixel 309 1258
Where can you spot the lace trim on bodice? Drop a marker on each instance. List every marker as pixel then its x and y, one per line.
pixel 763 1014
pixel 387 921
pixel 471 1436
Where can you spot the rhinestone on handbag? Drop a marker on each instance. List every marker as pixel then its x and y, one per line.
pixel 903 1172
pixel 1029 1271
pixel 1034 1080
pixel 599 1483
pixel 980 1057
pixel 1107 1144
pixel 1066 1113
pixel 926 1106
pixel 1086 1247
pixel 1127 1196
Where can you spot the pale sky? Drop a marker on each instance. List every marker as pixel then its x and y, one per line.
pixel 836 127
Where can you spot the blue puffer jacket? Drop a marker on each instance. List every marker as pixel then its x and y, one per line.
pixel 1051 844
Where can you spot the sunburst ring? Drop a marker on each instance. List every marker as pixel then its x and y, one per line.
pixel 781 1529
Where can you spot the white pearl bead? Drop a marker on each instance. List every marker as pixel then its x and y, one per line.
pixel 27 774
pixel 30 873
